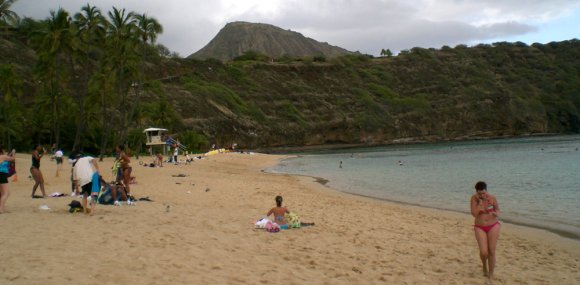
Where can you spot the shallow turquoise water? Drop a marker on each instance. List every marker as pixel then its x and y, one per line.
pixel 536 180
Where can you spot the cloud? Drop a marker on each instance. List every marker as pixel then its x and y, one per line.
pixel 366 26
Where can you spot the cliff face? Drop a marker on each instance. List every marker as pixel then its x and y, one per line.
pixel 239 37
pixel 419 95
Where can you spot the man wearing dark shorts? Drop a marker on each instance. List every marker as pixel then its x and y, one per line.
pixel 86 173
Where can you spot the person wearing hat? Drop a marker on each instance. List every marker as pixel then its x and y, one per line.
pixel 86 173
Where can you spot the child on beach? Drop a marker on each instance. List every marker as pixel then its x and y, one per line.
pixel 279 213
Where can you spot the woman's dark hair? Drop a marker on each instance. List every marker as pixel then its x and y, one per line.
pixel 121 147
pixel 278 201
pixel 480 186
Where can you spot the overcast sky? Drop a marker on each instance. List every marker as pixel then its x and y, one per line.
pixel 357 25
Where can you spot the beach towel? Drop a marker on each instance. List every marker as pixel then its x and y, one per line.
pixel 272 227
pixel 261 223
pixel 96 183
pixel 293 220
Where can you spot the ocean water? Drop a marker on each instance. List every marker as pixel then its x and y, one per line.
pixel 536 180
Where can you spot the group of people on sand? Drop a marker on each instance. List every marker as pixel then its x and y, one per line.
pixel 5 161
pixel 85 175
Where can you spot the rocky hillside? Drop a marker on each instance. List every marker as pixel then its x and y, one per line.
pixel 239 37
pixel 505 89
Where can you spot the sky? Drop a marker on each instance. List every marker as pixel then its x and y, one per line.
pixel 367 26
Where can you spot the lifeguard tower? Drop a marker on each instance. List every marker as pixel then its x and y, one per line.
pixel 155 137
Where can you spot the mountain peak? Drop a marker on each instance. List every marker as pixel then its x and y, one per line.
pixel 236 38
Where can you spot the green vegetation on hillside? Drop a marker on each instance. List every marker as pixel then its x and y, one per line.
pixel 91 90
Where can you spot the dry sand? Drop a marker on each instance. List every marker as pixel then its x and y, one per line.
pixel 208 237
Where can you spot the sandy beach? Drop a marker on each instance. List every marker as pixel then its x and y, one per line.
pixel 208 234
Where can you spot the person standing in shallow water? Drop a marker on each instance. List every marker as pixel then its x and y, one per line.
pixel 485 210
pixel 35 170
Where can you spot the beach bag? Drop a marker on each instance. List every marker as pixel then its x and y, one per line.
pixel 272 227
pixel 75 206
pixel 293 220
pixel 105 196
pixel 12 168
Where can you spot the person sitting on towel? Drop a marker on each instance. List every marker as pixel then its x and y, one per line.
pixel 279 213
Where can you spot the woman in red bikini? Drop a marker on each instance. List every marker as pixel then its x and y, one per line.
pixel 485 209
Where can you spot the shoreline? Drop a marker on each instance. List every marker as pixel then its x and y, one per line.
pixel 283 150
pixel 207 235
pixel 323 181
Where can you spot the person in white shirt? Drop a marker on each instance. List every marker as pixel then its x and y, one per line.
pixel 58 157
pixel 86 173
pixel 175 154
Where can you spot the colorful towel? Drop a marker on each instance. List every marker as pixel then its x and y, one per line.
pixel 96 185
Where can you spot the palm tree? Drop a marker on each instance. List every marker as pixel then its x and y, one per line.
pixel 7 17
pixel 91 26
pixel 10 83
pixel 122 61
pixel 10 115
pixel 147 29
pixel 56 46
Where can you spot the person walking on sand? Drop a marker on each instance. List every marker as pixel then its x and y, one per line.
pixel 58 157
pixel 5 160
pixel 35 170
pixel 86 173
pixel 279 213
pixel 485 210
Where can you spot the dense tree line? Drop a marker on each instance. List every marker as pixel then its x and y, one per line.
pixel 87 79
